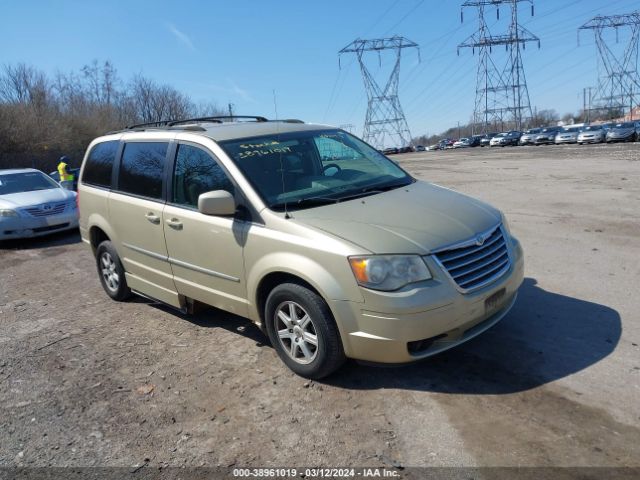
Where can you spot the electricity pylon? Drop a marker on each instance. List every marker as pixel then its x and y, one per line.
pixel 618 89
pixel 385 123
pixel 502 94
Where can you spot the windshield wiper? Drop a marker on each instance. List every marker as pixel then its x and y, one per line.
pixel 304 202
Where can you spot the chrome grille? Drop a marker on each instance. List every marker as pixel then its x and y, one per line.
pixel 46 210
pixel 474 266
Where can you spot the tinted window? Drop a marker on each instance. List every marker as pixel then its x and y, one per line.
pixel 97 169
pixel 142 167
pixel 196 172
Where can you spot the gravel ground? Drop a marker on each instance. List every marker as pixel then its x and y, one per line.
pixel 85 381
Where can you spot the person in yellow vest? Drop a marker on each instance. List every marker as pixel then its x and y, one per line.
pixel 66 178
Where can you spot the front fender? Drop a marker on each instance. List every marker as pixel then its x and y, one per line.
pixel 334 283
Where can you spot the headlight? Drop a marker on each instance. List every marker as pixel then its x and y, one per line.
pixel 388 272
pixel 5 212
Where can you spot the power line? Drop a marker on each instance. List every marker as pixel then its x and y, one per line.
pixel 501 93
pixel 385 120
pixel 618 89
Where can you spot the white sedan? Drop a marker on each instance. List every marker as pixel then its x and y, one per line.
pixel 32 204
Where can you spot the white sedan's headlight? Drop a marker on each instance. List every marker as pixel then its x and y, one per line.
pixel 388 272
pixel 7 212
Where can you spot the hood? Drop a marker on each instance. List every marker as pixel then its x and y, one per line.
pixel 416 219
pixel 37 197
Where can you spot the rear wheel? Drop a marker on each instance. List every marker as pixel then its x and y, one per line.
pixel 111 272
pixel 303 331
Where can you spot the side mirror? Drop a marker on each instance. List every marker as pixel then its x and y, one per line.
pixel 218 202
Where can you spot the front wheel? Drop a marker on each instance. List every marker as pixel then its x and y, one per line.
pixel 111 272
pixel 303 331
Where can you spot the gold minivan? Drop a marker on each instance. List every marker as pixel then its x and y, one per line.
pixel 326 244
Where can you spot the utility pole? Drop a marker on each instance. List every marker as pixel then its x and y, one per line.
pixel 619 82
pixel 385 123
pixel 231 110
pixel 500 91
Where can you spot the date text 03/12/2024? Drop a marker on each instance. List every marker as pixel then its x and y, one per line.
pixel 315 472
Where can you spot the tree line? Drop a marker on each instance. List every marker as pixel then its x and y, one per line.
pixel 43 117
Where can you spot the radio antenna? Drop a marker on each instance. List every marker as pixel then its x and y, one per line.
pixel 275 107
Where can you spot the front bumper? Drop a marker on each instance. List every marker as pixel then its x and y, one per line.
pixel 591 139
pixel 27 227
pixel 620 138
pixel 566 140
pixel 415 323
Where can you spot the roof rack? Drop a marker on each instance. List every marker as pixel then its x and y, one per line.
pixel 164 124
pixel 217 119
pixel 161 123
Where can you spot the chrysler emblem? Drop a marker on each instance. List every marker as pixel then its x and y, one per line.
pixel 479 240
pixel 46 207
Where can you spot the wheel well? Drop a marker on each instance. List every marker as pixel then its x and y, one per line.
pixel 97 236
pixel 272 280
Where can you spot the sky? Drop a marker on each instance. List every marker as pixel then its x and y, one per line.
pixel 280 58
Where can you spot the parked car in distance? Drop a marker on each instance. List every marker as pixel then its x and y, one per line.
pixel 391 151
pixel 485 141
pixel 592 134
pixel 622 132
pixel 433 147
pixel 505 138
pixel 547 136
pixel 32 204
pixel 333 259
pixel 420 148
pixel 462 143
pixel 408 149
pixel 529 136
pixel 568 134
pixel 446 143
pixel 474 141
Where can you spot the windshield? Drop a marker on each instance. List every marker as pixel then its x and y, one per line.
pixel 592 128
pixel 571 129
pixel 624 125
pixel 306 168
pixel 25 182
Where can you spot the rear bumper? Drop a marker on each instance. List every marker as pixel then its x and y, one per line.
pixel 23 227
pixel 426 320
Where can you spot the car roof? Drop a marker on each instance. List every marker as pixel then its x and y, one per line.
pixel 10 171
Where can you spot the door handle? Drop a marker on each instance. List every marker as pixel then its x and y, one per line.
pixel 152 217
pixel 174 223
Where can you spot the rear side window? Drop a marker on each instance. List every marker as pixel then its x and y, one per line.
pixel 99 164
pixel 196 172
pixel 142 168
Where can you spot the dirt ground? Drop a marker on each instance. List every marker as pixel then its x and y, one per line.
pixel 85 381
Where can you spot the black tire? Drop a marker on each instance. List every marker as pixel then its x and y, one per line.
pixel 107 260
pixel 328 355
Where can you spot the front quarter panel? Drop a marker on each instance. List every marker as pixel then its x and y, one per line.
pixel 315 257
